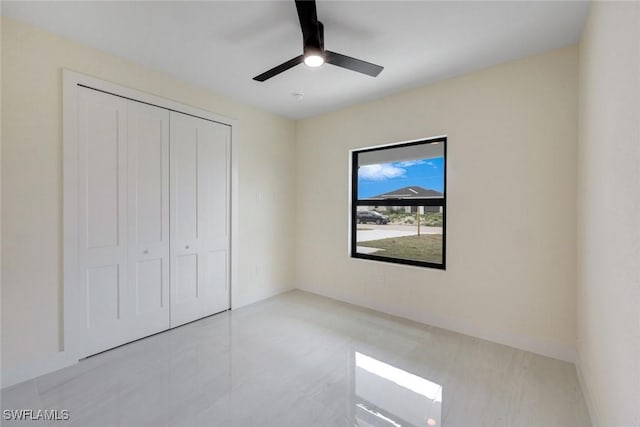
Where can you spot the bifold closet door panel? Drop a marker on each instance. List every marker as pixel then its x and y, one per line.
pixel 199 217
pixel 102 221
pixel 123 202
pixel 148 218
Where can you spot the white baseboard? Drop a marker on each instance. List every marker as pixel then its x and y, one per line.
pixel 262 296
pixel 30 370
pixel 61 360
pixel 56 361
pixel 542 347
pixel 588 396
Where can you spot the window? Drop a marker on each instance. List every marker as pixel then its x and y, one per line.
pixel 398 203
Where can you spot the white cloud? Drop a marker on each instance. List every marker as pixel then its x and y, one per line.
pixel 380 172
pixel 433 165
pixel 409 163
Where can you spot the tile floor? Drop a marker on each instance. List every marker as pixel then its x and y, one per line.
pixel 302 360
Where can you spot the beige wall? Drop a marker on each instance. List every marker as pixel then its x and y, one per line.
pixel 511 203
pixel 32 61
pixel 512 200
pixel 609 213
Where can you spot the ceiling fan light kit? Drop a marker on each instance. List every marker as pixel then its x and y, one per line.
pixel 314 57
pixel 313 61
pixel 314 53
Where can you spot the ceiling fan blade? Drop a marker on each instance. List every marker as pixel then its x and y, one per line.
pixel 352 64
pixel 308 23
pixel 280 68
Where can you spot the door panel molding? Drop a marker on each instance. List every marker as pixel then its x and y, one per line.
pixel 199 178
pixel 148 219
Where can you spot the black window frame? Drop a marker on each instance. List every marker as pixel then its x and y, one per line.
pixel 355 202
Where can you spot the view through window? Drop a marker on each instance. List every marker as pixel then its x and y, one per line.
pixel 399 203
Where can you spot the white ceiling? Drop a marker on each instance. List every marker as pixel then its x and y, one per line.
pixel 223 45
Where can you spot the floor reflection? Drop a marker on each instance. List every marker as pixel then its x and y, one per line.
pixel 389 396
pixel 301 360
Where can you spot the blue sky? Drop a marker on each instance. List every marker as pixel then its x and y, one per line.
pixel 386 177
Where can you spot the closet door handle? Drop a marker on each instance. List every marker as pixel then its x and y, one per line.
pixel 146 252
pixel 186 247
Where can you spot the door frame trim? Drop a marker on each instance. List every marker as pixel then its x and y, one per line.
pixel 69 339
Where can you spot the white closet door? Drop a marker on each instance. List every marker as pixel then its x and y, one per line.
pixel 148 215
pixel 102 255
pixel 123 255
pixel 199 218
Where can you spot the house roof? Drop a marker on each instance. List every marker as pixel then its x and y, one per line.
pixel 412 192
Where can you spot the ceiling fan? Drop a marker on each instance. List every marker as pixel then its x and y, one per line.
pixel 314 53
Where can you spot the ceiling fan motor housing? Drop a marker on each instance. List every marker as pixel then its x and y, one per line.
pixel 315 45
pixel 314 54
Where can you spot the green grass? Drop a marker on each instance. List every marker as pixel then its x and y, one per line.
pixel 427 247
